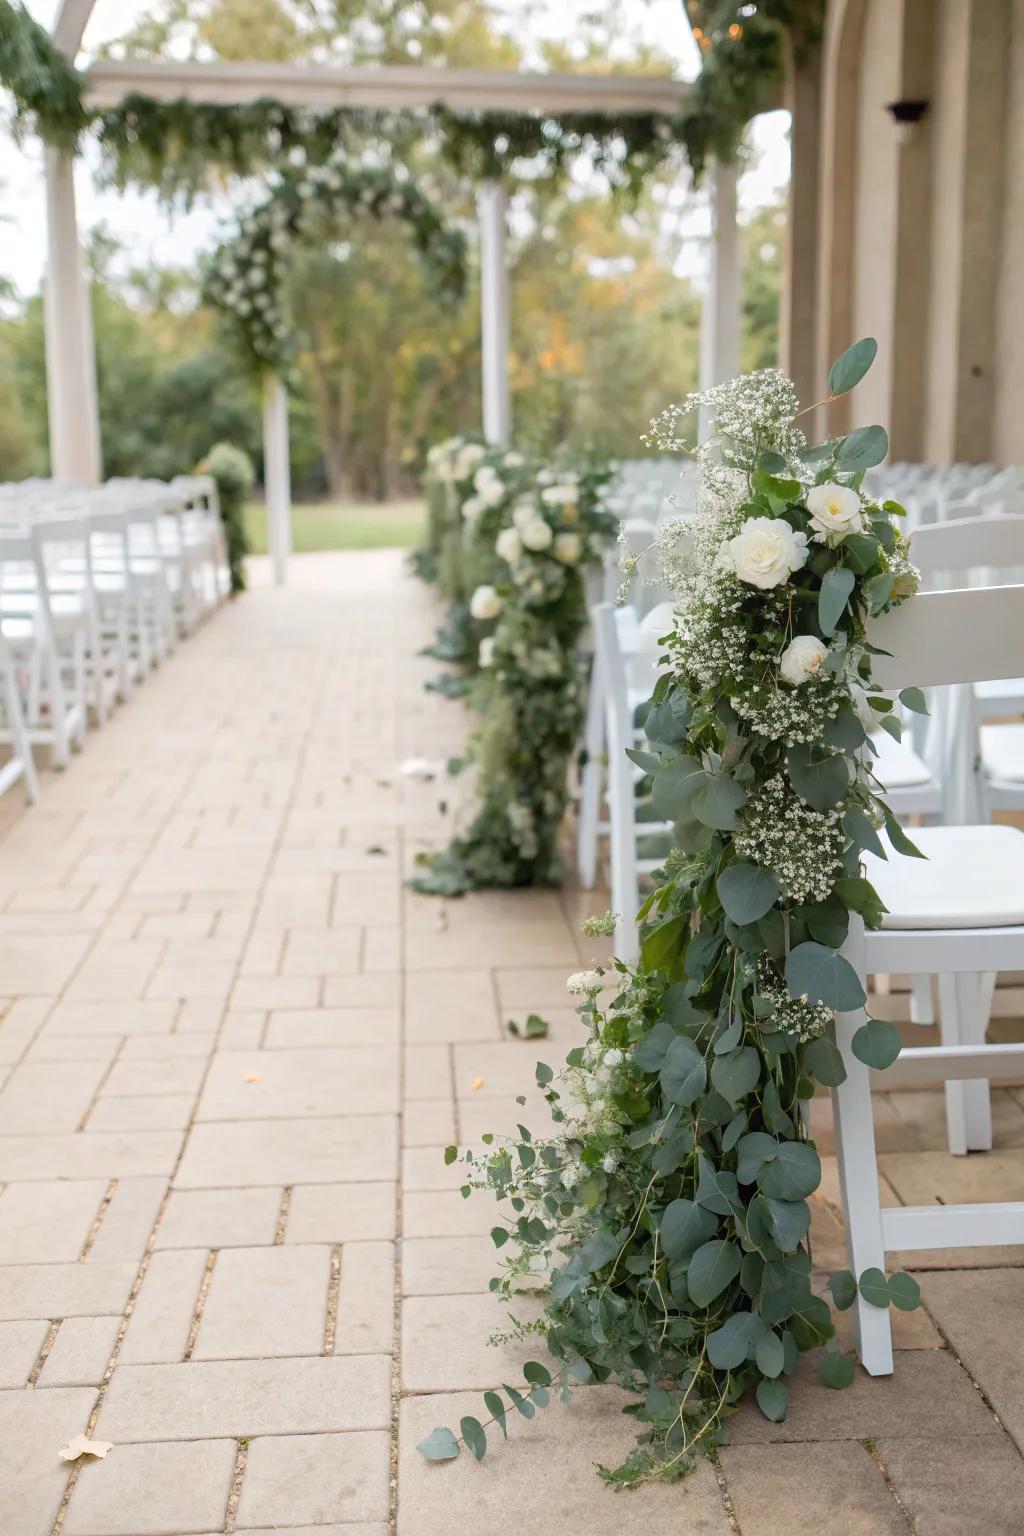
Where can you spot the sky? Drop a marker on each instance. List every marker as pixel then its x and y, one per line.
pixel 151 235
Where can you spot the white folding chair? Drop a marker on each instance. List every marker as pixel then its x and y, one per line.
pixel 958 916
pixel 47 639
pixel 20 765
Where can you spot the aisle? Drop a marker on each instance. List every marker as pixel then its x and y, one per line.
pixel 234 1048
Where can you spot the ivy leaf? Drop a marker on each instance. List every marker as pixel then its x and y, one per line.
pixel 712 1268
pixel 821 781
pixel 848 370
pixel 824 1062
pixel 716 802
pixel 874 1287
pixel 822 975
pixel 862 449
pixel 473 1435
pixel 793 1173
pixel 836 587
pixel 835 1369
pixel 735 1074
pixel 674 784
pixel 440 1445
pixel 844 1289
pixel 496 1408
pixel 684 1227
pixel 746 892
pixel 877 1044
pixel 904 1292
pixel 684 1072
pixel 772 1398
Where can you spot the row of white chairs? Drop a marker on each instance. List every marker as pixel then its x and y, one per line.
pixel 97 585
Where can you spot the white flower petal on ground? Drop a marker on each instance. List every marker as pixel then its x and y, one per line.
pixel 802 658
pixel 765 552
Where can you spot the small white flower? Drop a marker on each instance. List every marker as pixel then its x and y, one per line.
pixel 584 983
pixel 472 508
pixel 485 603
pixel 835 511
pixel 802 658
pixel 468 458
pixel 568 548
pixel 513 461
pixel 537 535
pixel 609 1162
pixel 508 545
pixel 765 552
pixel 485 653
pixel 523 514
pixel 613 1058
pixel 488 486
pixel 560 495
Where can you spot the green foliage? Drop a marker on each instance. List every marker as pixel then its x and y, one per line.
pixel 46 88
pixel 232 469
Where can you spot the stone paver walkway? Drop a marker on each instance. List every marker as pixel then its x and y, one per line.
pixel 233 1048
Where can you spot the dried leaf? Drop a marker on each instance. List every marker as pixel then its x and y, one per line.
pixel 253 1077
pixel 81 1445
pixel 477 1084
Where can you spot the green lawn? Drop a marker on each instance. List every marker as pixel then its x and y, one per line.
pixel 338 525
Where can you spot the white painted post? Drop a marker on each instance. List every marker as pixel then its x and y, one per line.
pixel 720 311
pixel 71 397
pixel 277 475
pixel 492 208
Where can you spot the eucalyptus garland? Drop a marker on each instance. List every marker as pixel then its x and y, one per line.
pixel 513 538
pixel 247 276
pixel 47 90
pixel 667 1212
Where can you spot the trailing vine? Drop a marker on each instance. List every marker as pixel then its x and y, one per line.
pixel 246 277
pixel 47 90
pixel 511 541
pixel 668 1207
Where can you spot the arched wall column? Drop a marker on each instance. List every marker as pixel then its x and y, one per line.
pixel 277 476
pixel 798 308
pixel 492 211
pixel 720 310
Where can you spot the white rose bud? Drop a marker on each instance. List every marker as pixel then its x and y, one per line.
pixel 568 548
pixel 537 535
pixel 485 604
pixel 508 545
pixel 835 511
pixel 802 658
pixel 765 552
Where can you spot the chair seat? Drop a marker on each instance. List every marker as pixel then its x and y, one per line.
pixel 1005 696
pixel 1002 752
pixel 896 764
pixel 971 877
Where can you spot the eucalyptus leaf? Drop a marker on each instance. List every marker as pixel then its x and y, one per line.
pixel 836 586
pixel 835 1370
pixel 822 975
pixel 735 1074
pixel 684 1072
pixel 685 1226
pixel 848 370
pixel 772 1398
pixel 874 1287
pixel 820 780
pixel 473 1435
pixel 440 1445
pixel 862 449
pixel 788 1222
pixel 747 892
pixel 770 1356
pixel 861 832
pixel 674 784
pixel 844 1289
pixel 877 1044
pixel 717 800
pixel 793 1173
pixel 824 1062
pixel 729 1346
pixel 914 700
pixel 496 1408
pixel 712 1268
pixel 904 1292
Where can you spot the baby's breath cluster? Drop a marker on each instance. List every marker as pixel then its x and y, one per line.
pixel 791 1015
pixel 803 848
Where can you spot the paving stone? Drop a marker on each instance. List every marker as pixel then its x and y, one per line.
pixel 159 1325
pixel 974 1312
pixel 115 970
pixel 928 1394
pixel 64 1290
pixel 103 1154
pixel 40 1223
pixel 446 1266
pixel 424 1169
pixel 141 1112
pixel 445 1342
pixel 63 1048
pixel 427 1072
pixel 167 1047
pixel 290 1152
pixel 341 1213
pixel 358 1528
pixel 980 1488
pixel 80 1353
pixel 128 1219
pixel 426 1122
pixel 444 1213
pixel 321 951
pixel 382 990
pixel 48 1098
pixel 135 1079
pixel 33 1427
pixel 299 1028
pixel 154 1490
pixel 276 992
pixel 219 1218
pixel 366 1299
pixel 265 1302
pixel 255 1085
pixel 542 1482
pixel 451 1005
pixel 781 1488
pixel 135 1019
pixel 206 1398
pixel 923 1178
pixel 322 1478
pixel 242 1031
pixel 40 966
pixel 20 1344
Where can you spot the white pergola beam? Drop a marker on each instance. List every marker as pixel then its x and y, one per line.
pixel 71 396
pixel 492 208
pixel 395 86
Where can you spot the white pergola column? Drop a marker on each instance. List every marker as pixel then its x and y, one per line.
pixel 71 397
pixel 277 480
pixel 720 312
pixel 492 208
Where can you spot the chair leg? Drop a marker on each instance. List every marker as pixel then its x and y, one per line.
pixel 622 842
pixel 922 1007
pixel 590 782
pixel 858 1177
pixel 20 744
pixel 964 1021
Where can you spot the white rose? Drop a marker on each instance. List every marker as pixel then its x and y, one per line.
pixel 835 511
pixel 467 460
pixel 765 552
pixel 538 535
pixel 485 653
pixel 472 508
pixel 560 495
pixel 508 545
pixel 802 658
pixel 513 461
pixel 524 514
pixel 488 486
pixel 568 548
pixel 485 603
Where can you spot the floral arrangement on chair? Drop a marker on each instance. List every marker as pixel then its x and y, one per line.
pixel 515 538
pixel 668 1209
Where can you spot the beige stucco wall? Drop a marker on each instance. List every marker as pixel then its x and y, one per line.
pixel 1008 405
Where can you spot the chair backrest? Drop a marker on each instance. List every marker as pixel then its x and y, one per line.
pixel 970 635
pixel 969 543
pixel 613 670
